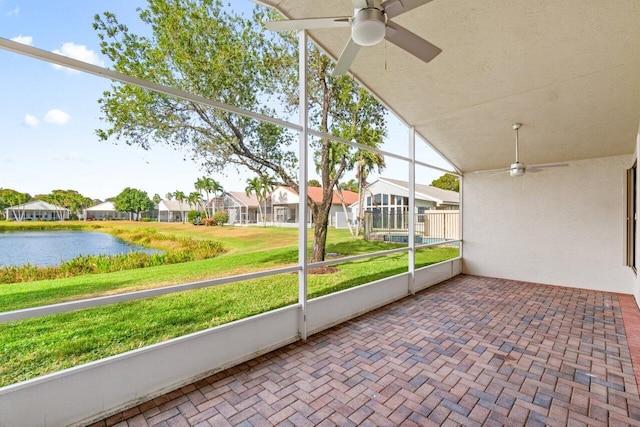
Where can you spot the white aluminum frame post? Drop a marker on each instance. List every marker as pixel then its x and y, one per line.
pixel 303 216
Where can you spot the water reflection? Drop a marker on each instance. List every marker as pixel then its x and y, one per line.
pixel 47 248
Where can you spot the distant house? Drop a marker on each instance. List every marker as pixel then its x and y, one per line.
pixel 285 202
pixel 392 195
pixel 36 210
pixel 242 209
pixel 104 211
pixel 174 211
pixel 387 202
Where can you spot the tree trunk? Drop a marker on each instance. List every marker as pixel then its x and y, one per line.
pixel 321 224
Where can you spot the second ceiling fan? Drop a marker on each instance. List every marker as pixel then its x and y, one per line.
pixel 518 168
pixel 370 24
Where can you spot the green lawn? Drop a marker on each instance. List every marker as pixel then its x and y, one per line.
pixel 42 345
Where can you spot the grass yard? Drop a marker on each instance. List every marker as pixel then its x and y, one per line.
pixel 34 347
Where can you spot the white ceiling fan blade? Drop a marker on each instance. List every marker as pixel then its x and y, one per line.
pixel 415 45
pixel 493 171
pixel 540 168
pixel 394 8
pixel 308 24
pixel 346 58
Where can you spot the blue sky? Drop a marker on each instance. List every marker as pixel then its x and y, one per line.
pixel 48 115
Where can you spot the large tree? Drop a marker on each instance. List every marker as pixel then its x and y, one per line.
pixel 69 199
pixel 447 182
pixel 134 201
pixel 9 198
pixel 201 47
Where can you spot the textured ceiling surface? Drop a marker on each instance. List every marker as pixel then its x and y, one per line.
pixel 568 70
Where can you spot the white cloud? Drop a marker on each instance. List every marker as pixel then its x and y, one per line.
pixel 56 117
pixel 13 12
pixel 28 40
pixel 79 52
pixel 30 121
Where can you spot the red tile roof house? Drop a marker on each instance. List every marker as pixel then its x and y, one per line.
pixel 285 205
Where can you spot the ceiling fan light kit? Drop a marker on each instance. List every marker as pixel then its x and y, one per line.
pixel 368 27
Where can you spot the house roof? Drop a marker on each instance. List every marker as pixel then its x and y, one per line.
pixel 102 207
pixel 316 195
pixel 38 205
pixel 567 70
pixel 175 206
pixel 249 201
pixel 442 196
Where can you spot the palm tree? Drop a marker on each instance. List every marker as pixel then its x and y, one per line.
pixel 203 184
pixel 216 189
pixel 180 198
pixel 156 198
pixel 169 196
pixel 261 186
pixel 195 200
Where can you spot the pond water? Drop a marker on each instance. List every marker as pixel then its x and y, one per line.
pixel 47 248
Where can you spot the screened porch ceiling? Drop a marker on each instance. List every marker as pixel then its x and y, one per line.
pixel 569 70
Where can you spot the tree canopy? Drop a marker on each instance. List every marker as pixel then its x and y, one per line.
pixel 447 182
pixel 70 199
pixel 134 201
pixel 204 48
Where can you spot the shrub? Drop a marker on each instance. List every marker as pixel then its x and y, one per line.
pixel 221 217
pixel 195 217
pixel 208 221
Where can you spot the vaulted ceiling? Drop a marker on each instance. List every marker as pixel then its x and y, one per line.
pixel 568 70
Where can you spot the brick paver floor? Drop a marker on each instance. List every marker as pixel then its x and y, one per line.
pixel 471 351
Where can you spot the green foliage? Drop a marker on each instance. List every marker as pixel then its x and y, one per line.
pixel 447 182
pixel 314 183
pixel 184 250
pixel 205 49
pixel 133 200
pixel 351 185
pixel 221 217
pixel 69 199
pixel 195 217
pixel 9 198
pixel 261 186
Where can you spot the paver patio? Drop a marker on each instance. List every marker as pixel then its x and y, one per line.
pixel 471 351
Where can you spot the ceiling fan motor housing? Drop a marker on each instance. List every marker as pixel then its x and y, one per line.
pixel 517 169
pixel 368 27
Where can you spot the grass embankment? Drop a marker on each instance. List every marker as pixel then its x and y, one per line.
pixel 37 346
pixel 175 250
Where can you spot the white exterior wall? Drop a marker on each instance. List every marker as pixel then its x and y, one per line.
pixel 563 226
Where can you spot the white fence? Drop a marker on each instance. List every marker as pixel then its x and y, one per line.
pixel 442 225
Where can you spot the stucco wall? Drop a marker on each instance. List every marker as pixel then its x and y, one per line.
pixel 561 226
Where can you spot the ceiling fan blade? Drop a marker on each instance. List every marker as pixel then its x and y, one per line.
pixel 394 8
pixel 493 171
pixel 539 168
pixel 346 58
pixel 308 24
pixel 415 45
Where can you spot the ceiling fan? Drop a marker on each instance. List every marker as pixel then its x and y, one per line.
pixel 519 169
pixel 370 24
